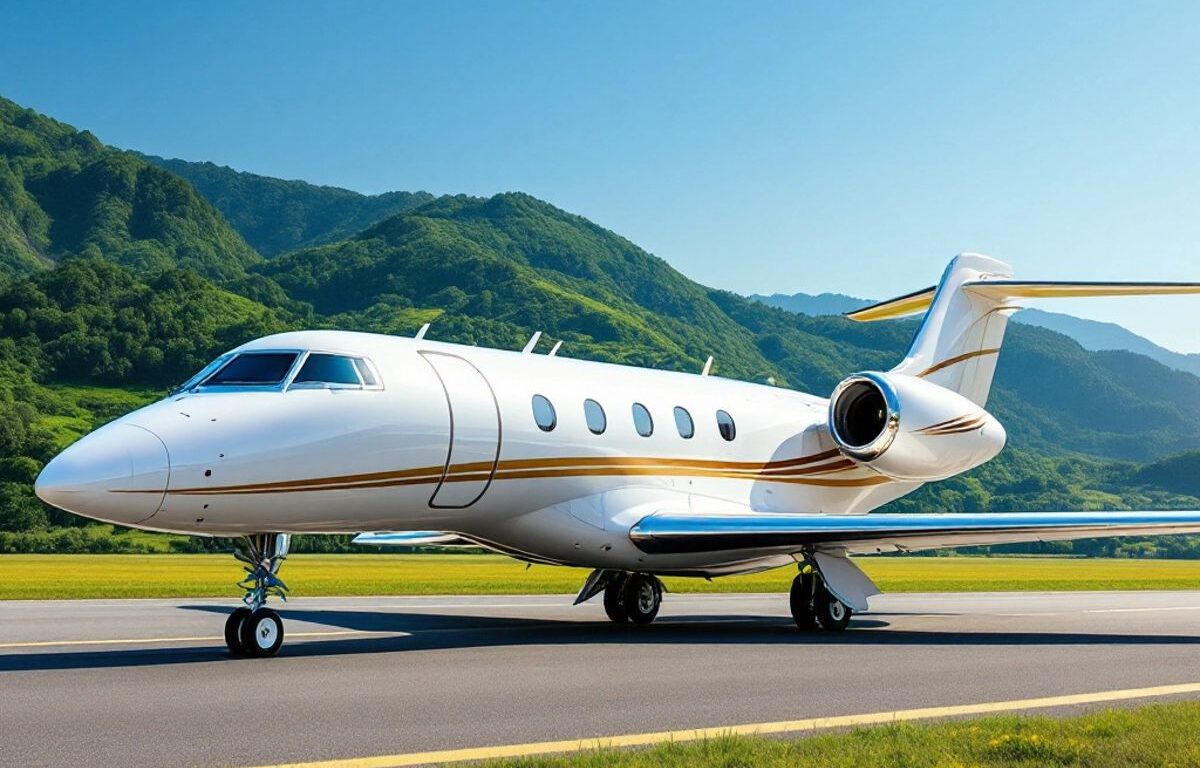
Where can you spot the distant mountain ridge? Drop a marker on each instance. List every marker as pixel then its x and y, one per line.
pixel 1092 335
pixel 277 215
pixel 64 194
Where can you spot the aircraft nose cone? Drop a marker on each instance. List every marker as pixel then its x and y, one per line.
pixel 117 474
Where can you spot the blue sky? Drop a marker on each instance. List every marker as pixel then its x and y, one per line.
pixel 756 147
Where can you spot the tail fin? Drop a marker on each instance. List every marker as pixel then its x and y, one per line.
pixel 959 342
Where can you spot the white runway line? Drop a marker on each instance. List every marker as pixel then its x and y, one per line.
pixel 151 640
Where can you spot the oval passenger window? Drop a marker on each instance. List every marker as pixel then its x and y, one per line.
pixel 725 425
pixel 594 415
pixel 642 421
pixel 543 413
pixel 683 422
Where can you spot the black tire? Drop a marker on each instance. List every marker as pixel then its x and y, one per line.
pixel 641 598
pixel 832 614
pixel 262 633
pixel 233 631
pixel 614 601
pixel 804 613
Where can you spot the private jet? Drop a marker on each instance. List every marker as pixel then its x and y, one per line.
pixel 630 472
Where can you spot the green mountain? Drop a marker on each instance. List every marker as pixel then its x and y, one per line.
pixel 274 215
pixel 1177 474
pixel 63 194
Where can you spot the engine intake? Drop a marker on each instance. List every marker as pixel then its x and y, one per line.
pixel 910 429
pixel 864 416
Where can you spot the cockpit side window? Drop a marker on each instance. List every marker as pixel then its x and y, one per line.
pixel 325 370
pixel 253 369
pixel 365 372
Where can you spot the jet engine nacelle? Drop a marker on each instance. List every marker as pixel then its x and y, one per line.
pixel 910 429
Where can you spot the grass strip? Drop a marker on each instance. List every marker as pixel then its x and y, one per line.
pixel 1154 735
pixel 173 575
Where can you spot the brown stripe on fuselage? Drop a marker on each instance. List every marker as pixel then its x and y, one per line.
pixel 370 478
pixel 565 467
pixel 797 478
pixel 956 360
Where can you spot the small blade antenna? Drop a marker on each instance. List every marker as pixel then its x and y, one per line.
pixel 533 340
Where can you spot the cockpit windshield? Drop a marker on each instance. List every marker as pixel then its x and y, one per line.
pixel 253 369
pixel 270 368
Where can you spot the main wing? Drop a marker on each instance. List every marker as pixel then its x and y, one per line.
pixel 690 532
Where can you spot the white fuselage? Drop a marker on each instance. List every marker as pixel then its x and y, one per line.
pixel 448 442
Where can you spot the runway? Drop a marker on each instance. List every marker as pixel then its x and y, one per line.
pixel 148 682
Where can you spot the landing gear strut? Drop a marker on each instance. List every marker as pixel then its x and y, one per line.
pixel 254 629
pixel 632 598
pixel 813 606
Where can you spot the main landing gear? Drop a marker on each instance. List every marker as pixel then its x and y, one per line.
pixel 628 597
pixel 813 606
pixel 254 629
pixel 633 597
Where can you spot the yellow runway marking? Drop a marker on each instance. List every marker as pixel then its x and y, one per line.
pixel 148 640
pixel 788 726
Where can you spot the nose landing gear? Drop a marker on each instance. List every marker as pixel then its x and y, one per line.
pixel 254 629
pixel 813 605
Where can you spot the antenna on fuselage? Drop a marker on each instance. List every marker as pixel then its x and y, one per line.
pixel 421 333
pixel 707 366
pixel 554 351
pixel 533 340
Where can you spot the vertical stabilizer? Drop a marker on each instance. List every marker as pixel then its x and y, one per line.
pixel 958 344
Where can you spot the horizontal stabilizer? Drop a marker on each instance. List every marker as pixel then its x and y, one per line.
pixel 901 306
pixel 1024 289
pixel 689 532
pixel 1003 290
pixel 413 539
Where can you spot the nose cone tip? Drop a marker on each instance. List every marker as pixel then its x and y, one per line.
pixel 117 474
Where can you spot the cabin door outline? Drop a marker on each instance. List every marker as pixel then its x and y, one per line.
pixel 474 411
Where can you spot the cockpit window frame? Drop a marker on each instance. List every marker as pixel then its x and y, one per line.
pixel 286 384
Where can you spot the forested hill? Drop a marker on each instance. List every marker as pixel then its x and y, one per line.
pixel 275 215
pixel 122 280
pixel 63 193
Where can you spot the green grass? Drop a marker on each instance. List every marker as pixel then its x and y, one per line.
pixel 1156 735
pixel 112 576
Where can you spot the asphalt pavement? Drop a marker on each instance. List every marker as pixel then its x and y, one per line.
pixel 149 683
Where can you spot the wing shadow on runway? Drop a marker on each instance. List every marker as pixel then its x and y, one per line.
pixel 392 632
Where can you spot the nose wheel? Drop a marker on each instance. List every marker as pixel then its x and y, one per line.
pixel 814 606
pixel 253 629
